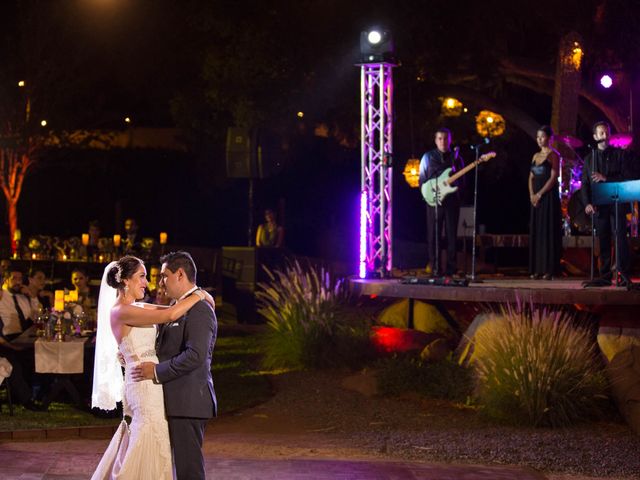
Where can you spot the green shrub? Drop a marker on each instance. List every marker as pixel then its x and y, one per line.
pixel 535 367
pixel 310 321
pixel 408 373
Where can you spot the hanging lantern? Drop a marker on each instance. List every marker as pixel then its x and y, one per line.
pixel 574 57
pixel 411 172
pixel 451 107
pixel 490 124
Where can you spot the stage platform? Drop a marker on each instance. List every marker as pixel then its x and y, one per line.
pixel 555 292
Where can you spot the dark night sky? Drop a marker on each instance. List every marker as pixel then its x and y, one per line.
pixel 205 65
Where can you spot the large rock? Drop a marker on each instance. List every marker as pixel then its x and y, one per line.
pixel 464 352
pixel 426 317
pixel 624 374
pixel 613 340
pixel 436 351
pixel 621 347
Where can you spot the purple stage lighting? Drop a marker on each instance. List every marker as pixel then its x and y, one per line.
pixel 362 267
pixel 606 81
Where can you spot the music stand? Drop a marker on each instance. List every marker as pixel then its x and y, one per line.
pixel 607 193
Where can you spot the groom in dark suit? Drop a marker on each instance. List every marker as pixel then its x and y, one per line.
pixel 184 349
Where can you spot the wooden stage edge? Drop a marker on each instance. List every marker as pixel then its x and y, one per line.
pixel 558 292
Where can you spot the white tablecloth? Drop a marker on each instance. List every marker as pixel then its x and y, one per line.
pixel 60 357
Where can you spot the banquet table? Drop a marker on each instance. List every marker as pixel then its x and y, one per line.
pixel 61 359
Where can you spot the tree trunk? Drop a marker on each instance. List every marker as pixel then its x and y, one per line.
pixel 12 216
pixel 13 169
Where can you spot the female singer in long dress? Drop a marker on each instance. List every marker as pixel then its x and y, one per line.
pixel 545 233
pixel 139 449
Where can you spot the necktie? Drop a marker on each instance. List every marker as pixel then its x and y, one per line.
pixel 24 323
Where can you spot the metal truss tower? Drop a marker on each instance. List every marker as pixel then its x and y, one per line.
pixel 376 121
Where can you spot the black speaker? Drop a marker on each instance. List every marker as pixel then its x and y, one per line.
pixel 252 153
pixel 240 153
pixel 268 153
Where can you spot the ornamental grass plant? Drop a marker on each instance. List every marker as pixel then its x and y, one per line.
pixel 536 366
pixel 310 322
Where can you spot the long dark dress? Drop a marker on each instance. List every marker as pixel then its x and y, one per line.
pixel 545 229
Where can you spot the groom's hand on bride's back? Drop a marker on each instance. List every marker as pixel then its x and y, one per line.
pixel 143 371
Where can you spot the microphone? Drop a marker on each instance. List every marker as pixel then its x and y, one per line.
pixel 598 142
pixel 485 141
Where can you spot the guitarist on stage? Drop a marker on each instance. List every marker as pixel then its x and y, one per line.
pixel 432 164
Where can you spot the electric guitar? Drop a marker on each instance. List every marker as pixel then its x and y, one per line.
pixel 435 190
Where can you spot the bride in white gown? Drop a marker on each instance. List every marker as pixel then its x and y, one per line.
pixel 139 449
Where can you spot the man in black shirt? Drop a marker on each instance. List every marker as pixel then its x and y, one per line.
pixel 607 164
pixel 432 164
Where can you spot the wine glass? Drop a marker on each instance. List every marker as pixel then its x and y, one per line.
pixel 41 320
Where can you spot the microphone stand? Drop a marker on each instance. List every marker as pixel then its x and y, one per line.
pixel 621 278
pixel 593 226
pixel 472 277
pixel 436 267
pixel 595 282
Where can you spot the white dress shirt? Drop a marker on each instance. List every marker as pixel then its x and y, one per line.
pixel 9 314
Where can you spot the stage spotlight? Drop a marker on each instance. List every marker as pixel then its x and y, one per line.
pixel 374 37
pixel 606 81
pixel 376 45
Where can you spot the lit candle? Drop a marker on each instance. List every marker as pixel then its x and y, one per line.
pixel 100 258
pixel 163 238
pixel 73 296
pixel 17 235
pixel 64 256
pixel 116 240
pixel 58 303
pixel 33 256
pixel 85 239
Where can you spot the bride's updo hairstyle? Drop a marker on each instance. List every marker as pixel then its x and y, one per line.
pixel 122 270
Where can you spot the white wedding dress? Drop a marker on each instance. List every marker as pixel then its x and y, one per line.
pixel 140 450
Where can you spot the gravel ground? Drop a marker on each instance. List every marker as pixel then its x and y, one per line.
pixel 413 428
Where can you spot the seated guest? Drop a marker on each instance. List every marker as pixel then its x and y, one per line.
pixel 94 233
pixel 152 286
pixel 94 238
pixel 16 315
pixel 161 297
pixel 17 310
pixel 80 282
pixel 20 389
pixel 37 281
pixel 156 290
pixel 131 240
pixel 5 266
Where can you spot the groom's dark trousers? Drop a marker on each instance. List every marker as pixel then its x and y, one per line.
pixel 184 349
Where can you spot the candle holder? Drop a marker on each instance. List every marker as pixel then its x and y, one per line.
pixel 117 241
pixel 58 331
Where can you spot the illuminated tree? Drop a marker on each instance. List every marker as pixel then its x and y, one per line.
pixel 37 79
